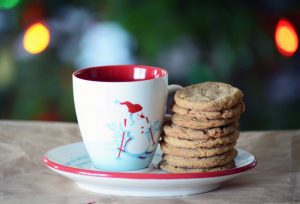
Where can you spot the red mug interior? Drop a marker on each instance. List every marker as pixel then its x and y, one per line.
pixel 120 73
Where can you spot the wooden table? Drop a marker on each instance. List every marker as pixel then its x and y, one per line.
pixel 25 179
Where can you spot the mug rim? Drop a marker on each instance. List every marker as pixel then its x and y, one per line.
pixel 164 71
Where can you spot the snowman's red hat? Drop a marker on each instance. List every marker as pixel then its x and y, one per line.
pixel 132 108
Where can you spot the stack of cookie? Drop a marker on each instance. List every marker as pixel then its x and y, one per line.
pixel 203 129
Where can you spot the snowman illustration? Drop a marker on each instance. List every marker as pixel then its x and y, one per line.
pixel 136 135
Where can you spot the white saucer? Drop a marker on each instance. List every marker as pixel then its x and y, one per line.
pixel 73 162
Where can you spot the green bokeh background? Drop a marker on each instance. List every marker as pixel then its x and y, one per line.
pixel 234 43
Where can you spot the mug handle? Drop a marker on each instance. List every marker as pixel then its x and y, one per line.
pixel 173 87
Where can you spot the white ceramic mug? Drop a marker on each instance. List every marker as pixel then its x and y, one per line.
pixel 120 110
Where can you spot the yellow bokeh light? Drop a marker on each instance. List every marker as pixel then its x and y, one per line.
pixel 36 38
pixel 286 38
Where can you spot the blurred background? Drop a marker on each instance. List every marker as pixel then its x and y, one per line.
pixel 252 45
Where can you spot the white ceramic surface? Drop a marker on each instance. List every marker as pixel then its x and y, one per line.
pixel 73 162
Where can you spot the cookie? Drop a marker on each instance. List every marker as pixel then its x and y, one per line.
pixel 227 113
pixel 201 162
pixel 211 142
pixel 192 134
pixel 197 123
pixel 174 169
pixel 173 130
pixel 208 96
pixel 195 152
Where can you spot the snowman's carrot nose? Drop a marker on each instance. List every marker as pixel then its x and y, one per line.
pixel 132 108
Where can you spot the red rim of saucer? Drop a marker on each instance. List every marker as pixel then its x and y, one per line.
pixel 127 175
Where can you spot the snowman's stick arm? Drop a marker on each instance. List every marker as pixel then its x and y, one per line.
pixel 121 145
pixel 150 130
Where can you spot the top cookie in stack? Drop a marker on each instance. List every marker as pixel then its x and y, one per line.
pixel 204 128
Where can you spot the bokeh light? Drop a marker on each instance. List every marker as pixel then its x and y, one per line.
pixel 8 4
pixel 286 38
pixel 105 43
pixel 36 38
